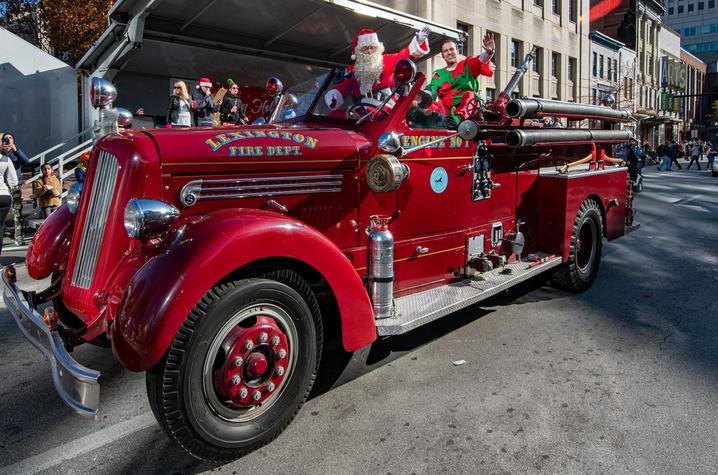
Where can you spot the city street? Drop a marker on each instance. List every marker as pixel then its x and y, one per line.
pixel 622 378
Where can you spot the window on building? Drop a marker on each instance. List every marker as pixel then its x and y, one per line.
pixel 490 94
pixel 572 11
pixel 556 65
pixel 610 70
pixel 536 63
pixel 701 5
pixel 594 96
pixel 515 53
pixel 464 47
pixel 615 70
pixel 556 7
pixel 680 8
pixel 670 10
pixel 600 65
pixel 571 70
pixel 538 3
pixel 594 66
pixel 690 7
pixel 711 3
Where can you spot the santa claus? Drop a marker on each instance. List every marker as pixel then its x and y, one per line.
pixel 372 69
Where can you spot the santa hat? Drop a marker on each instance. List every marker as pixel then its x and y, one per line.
pixel 205 82
pixel 365 37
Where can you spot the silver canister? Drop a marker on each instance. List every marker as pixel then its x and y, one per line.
pixel 380 267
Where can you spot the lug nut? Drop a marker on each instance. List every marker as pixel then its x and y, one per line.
pixel 248 345
pixel 243 393
pixel 263 337
pixel 236 380
pixel 238 361
pixel 270 387
pixel 282 353
pixel 256 395
pixel 280 370
pixel 275 340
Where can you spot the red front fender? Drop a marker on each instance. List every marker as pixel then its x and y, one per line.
pixel 49 247
pixel 162 293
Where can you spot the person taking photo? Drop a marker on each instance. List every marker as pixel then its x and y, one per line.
pixel 9 148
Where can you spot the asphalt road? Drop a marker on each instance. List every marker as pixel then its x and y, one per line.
pixel 622 378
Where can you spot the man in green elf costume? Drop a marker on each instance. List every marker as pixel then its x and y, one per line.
pixel 456 84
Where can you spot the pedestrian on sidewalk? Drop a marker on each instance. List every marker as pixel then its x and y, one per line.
pixel 695 156
pixel 675 153
pixel 664 152
pixel 48 191
pixel 9 181
pixel 18 159
pixel 711 156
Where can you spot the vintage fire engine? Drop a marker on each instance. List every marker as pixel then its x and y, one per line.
pixel 199 255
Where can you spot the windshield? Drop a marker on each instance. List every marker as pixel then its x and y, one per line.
pixel 300 98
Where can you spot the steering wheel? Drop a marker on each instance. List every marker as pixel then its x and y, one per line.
pixel 367 105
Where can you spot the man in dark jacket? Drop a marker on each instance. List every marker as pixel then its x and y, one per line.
pixel 18 159
pixel 675 153
pixel 203 104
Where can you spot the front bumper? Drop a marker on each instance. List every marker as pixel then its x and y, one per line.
pixel 77 386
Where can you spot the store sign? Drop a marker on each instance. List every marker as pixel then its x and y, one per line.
pixel 673 73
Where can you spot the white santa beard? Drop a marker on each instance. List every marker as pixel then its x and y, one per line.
pixel 368 69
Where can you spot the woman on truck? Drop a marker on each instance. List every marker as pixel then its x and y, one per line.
pixel 179 110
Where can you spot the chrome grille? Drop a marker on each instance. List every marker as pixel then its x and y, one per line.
pixel 103 189
pixel 237 188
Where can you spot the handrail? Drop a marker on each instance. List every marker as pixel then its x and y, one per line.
pixel 41 156
pixel 69 156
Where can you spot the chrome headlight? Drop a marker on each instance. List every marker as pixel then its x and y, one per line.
pixel 73 197
pixel 146 218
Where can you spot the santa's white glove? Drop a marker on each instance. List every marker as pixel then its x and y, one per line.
pixel 423 34
pixel 333 99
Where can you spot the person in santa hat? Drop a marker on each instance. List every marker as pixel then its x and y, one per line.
pixel 202 104
pixel 458 83
pixel 372 69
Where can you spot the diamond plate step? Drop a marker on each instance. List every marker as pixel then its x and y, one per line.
pixel 420 308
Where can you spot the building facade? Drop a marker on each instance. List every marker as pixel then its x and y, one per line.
pixel 637 24
pixel 694 107
pixel 697 23
pixel 557 28
pixel 670 119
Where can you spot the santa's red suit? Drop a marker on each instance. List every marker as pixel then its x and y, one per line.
pixel 351 85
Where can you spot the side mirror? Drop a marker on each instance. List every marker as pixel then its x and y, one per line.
pixel 404 71
pixel 102 92
pixel 274 86
pixel 609 100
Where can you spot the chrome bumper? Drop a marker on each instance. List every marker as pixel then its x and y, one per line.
pixel 77 385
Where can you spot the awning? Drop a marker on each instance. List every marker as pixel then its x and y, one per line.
pixel 154 36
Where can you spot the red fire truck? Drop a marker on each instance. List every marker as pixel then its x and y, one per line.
pixel 198 255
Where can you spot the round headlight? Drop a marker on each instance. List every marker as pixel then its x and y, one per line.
pixel 73 197
pixel 146 218
pixel 102 92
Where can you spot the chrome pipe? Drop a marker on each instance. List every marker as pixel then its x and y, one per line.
pixel 518 108
pixel 524 138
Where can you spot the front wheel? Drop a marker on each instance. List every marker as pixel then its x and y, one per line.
pixel 580 270
pixel 240 367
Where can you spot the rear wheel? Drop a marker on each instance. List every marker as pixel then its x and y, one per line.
pixel 579 272
pixel 240 367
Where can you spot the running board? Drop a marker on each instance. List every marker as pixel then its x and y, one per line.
pixel 421 308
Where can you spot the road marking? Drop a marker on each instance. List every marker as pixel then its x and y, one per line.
pixel 80 446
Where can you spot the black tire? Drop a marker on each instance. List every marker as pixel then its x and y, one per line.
pixel 584 258
pixel 182 387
